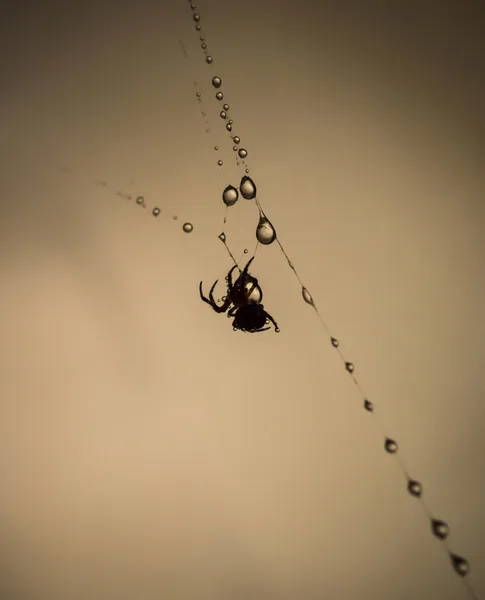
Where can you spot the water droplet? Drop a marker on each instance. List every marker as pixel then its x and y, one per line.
pixel 198 94
pixel 350 367
pixel 216 147
pixel 219 95
pixel 226 107
pixel 234 148
pixel 198 27
pixel 247 187
pixel 229 127
pixel 230 195
pixel 231 121
pixel 209 60
pixel 277 329
pixel 202 38
pixel 216 82
pixel 246 170
pixel 187 227
pixel 245 250
pixel 307 296
pixel 236 139
pixel 460 564
pixel 203 46
pixel 192 6
pixel 196 17
pixel 175 218
pixel 368 405
pixel 390 446
pixel 156 211
pixel 335 342
pixel 222 114
pixel 415 488
pixel 140 200
pixel 243 153
pixel 265 232
pixel 222 237
pixel 440 529
pixel 220 163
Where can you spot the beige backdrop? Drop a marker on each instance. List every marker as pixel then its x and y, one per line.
pixel 147 451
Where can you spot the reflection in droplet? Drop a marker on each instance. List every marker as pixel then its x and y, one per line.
pixel 247 187
pixel 216 82
pixel 222 114
pixel 460 564
pixel 156 211
pixel 236 139
pixel 350 367
pixel 226 107
pixel 368 405
pixel 187 227
pixel 219 95
pixel 335 342
pixel 229 127
pixel 230 195
pixel 390 446
pixel 415 488
pixel 265 232
pixel 220 163
pixel 140 200
pixel 209 60
pixel 307 296
pixel 243 153
pixel 222 237
pixel 440 529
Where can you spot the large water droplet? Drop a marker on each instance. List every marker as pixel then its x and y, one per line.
pixel 209 60
pixel 440 529
pixel 216 82
pixel 460 564
pixel 222 237
pixel 187 227
pixel 243 153
pixel 230 195
pixel 219 95
pixel 156 211
pixel 415 488
pixel 265 232
pixel 247 187
pixel 390 446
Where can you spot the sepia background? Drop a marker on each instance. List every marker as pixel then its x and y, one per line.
pixel 147 450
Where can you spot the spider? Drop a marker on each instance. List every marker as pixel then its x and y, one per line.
pixel 243 302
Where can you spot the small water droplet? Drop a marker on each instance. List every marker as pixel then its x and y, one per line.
pixel 156 211
pixel 415 488
pixel 202 38
pixel 192 6
pixel 307 296
pixel 196 17
pixel 222 237
pixel 390 446
pixel 222 114
pixel 243 153
pixel 230 195
pixel 188 227
pixel 203 46
pixel 246 170
pixel 140 200
pixel 245 250
pixel 198 94
pixel 440 529
pixel 209 60
pixel 234 148
pixel 231 121
pixel 460 564
pixel 216 147
pixel 216 82
pixel 229 127
pixel 265 232
pixel 226 107
pixel 335 342
pixel 198 27
pixel 247 187
pixel 350 367
pixel 219 95
pixel 220 163
pixel 236 139
pixel 277 329
pixel 368 405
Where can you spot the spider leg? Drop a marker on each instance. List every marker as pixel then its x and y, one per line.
pixel 211 302
pixel 232 311
pixel 230 283
pixel 272 321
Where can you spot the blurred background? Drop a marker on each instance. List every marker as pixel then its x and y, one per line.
pixel 147 450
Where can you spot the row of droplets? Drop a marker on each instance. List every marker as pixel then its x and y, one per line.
pixel 266 234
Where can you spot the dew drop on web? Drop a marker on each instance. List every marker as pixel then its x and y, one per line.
pixel 219 95
pixel 307 296
pixel 222 237
pixel 225 106
pixel 229 127
pixel 188 227
pixel 220 163
pixel 236 139
pixel 230 195
pixel 209 60
pixel 140 200
pixel 265 232
pixel 216 82
pixel 196 17
pixel 156 211
pixel 243 152
pixel 222 114
pixel 247 187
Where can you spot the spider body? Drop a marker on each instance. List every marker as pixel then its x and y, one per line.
pixel 242 301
